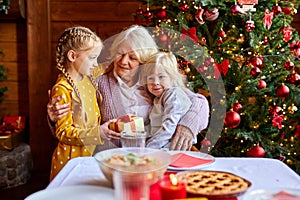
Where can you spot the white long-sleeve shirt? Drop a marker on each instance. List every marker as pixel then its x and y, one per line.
pixel 164 116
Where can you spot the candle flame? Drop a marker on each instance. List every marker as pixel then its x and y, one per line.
pixel 173 179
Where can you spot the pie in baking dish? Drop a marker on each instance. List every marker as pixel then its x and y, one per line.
pixel 213 183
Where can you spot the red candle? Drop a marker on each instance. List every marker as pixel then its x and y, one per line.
pixel 170 188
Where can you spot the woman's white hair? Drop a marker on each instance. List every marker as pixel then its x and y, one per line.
pixel 139 40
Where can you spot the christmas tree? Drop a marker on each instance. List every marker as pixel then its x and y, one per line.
pixel 252 48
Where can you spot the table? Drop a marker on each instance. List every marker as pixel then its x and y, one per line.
pixel 263 173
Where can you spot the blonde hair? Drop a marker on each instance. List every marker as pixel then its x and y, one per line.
pixel 79 39
pixel 140 41
pixel 166 61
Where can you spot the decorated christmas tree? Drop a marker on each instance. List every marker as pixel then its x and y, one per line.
pixel 251 48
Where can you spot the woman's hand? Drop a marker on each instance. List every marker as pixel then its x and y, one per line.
pixel 182 139
pixel 110 134
pixel 54 110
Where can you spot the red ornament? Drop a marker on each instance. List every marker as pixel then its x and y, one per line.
pixel 287 10
pixel 295 46
pixel 222 33
pixel 199 16
pixel 256 151
pixel 265 40
pixel 256 61
pixel 267 21
pixel 237 106
pixel 184 7
pixel 297 133
pixel 261 84
pixel 282 91
pixel 232 119
pixel 139 11
pixel 163 37
pixel 287 33
pixel 249 25
pixel 288 65
pixel 275 110
pixel 236 9
pixel 148 15
pixel 293 78
pixel 276 9
pixel 255 71
pixel 162 14
pixel 211 15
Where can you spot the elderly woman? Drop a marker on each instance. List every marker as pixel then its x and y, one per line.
pixel 123 94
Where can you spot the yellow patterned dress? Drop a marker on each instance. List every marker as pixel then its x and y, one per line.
pixel 78 132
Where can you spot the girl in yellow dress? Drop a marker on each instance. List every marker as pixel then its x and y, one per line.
pixel 78 132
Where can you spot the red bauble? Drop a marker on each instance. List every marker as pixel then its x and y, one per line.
pixel 288 65
pixel 249 26
pixel 255 71
pixel 276 9
pixel 237 106
pixel 297 52
pixel 265 40
pixel 293 78
pixel 148 15
pixel 222 33
pixel 139 11
pixel 261 84
pixel 297 133
pixel 282 91
pixel 211 15
pixel 256 61
pixel 287 10
pixel 184 7
pixel 256 151
pixel 163 37
pixel 232 119
pixel 162 14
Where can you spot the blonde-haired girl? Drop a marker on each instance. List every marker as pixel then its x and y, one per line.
pixel 78 132
pixel 163 80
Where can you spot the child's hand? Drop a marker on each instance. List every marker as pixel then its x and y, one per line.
pixel 109 133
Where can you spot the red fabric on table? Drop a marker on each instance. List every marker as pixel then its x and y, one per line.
pixel 155 191
pixel 182 160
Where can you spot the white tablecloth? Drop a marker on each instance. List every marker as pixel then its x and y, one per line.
pixel 263 173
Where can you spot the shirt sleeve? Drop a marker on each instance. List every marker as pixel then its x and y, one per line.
pixel 175 104
pixel 197 117
pixel 67 131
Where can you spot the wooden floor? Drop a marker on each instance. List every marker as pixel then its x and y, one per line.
pixel 38 181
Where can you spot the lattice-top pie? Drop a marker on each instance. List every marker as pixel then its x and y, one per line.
pixel 213 183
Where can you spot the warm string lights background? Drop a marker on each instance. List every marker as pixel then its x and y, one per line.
pixel 253 50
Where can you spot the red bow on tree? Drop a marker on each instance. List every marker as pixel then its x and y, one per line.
pixel 221 68
pixel 268 19
pixel 189 33
pixel 287 33
pixel 277 120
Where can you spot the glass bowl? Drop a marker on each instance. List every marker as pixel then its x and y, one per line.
pixel 155 169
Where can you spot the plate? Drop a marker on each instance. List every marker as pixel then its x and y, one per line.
pixel 273 194
pixel 77 192
pixel 194 154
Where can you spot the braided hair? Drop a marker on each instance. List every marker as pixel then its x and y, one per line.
pixel 77 38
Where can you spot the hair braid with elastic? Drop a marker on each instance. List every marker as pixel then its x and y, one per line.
pixel 77 39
